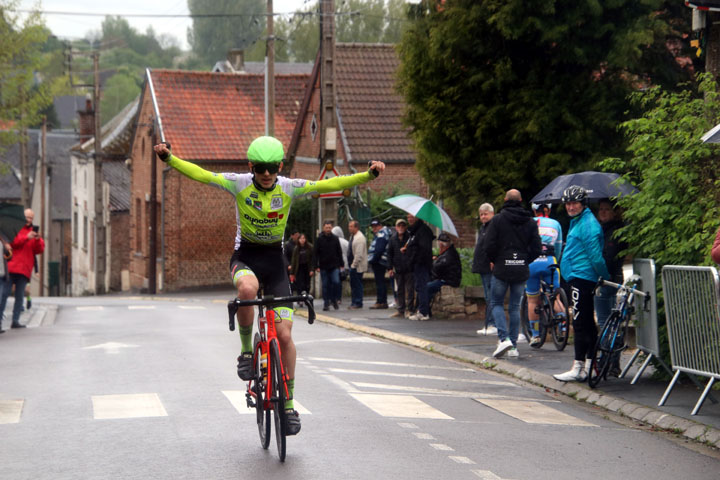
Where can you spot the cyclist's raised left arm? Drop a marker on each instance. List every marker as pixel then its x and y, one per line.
pixel 307 187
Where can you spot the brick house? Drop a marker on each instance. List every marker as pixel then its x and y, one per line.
pixel 209 119
pixel 369 125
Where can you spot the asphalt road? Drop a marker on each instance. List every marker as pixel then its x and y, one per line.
pixel 124 388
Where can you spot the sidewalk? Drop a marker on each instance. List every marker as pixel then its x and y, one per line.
pixel 458 339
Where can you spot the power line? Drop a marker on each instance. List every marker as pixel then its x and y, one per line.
pixel 177 15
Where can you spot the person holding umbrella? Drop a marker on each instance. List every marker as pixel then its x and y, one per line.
pixel 581 265
pixel 419 250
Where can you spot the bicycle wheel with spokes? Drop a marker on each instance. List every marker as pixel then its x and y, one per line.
pixel 277 389
pixel 560 322
pixel 258 389
pixel 602 353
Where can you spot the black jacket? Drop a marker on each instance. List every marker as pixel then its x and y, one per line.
pixel 481 262
pixel 328 253
pixel 612 249
pixel 513 242
pixel 420 244
pixel 399 261
pixel 447 267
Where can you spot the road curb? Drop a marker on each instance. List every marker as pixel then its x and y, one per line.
pixel 687 428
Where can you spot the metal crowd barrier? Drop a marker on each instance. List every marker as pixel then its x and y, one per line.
pixel 646 324
pixel 692 309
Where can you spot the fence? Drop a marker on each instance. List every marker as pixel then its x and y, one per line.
pixel 646 321
pixel 692 310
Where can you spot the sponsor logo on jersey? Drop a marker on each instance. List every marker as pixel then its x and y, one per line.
pixel 257 204
pixel 261 222
pixel 276 203
pixel 299 183
pixel 275 215
pixel 248 201
pixel 228 176
pixel 253 194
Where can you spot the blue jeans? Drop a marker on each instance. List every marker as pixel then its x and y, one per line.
pixel 422 278
pixel 330 285
pixel 499 287
pixel 356 288
pixel 604 303
pixel 487 289
pixel 380 282
pixel 434 287
pixel 20 282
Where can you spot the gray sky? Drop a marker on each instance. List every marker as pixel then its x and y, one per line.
pixel 76 26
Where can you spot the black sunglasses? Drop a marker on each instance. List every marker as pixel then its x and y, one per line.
pixel 266 167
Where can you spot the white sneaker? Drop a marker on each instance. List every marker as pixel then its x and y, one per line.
pixel 502 348
pixel 513 353
pixel 522 338
pixel 534 342
pixel 576 374
pixel 419 317
pixel 487 331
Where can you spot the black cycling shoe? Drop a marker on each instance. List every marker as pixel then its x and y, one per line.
pixel 245 366
pixel 293 422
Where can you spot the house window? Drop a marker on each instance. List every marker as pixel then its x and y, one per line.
pixel 138 225
pixel 75 228
pixel 85 232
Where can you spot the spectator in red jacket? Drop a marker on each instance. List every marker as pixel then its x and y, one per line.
pixel 25 246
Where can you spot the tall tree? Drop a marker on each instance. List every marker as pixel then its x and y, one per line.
pixel 511 93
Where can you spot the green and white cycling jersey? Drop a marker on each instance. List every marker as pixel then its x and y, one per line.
pixel 262 215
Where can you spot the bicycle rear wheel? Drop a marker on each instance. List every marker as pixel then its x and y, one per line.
pixel 277 389
pixel 560 322
pixel 258 388
pixel 602 353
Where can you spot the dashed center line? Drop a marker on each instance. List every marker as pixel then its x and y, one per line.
pixel 10 411
pixel 463 460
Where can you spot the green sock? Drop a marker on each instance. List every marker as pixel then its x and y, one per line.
pixel 289 404
pixel 246 338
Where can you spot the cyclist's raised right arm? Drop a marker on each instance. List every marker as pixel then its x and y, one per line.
pixel 193 171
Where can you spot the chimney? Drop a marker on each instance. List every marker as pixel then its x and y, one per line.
pixel 86 121
pixel 236 57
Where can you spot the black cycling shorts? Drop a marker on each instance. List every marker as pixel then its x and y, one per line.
pixel 266 263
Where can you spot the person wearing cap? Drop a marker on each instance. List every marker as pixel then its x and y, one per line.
pixel 419 249
pixel 401 270
pixel 551 236
pixel 378 260
pixel 482 265
pixel 581 265
pixel 447 267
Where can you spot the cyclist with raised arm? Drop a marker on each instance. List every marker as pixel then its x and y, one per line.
pixel 551 237
pixel 262 205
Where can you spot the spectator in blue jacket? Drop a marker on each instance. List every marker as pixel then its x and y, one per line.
pixel 581 265
pixel 378 260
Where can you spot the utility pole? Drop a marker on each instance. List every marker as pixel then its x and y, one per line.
pixel 270 73
pixel 24 170
pixel 43 224
pixel 328 132
pixel 100 251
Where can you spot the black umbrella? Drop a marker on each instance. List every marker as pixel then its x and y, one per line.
pixel 12 219
pixel 597 184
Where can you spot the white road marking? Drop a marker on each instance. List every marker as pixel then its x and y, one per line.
pixel 423 436
pixel 191 307
pixel 463 460
pixel 487 475
pixel 89 309
pixel 111 348
pixel 237 399
pixel 141 307
pixel 341 383
pixel 407 425
pixel 442 447
pixel 138 405
pixel 402 406
pixel 424 377
pixel 534 412
pixel 348 339
pixel 10 411
pixel 442 393
pixel 390 364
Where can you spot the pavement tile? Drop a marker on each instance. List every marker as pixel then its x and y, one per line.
pixel 712 436
pixel 654 417
pixel 604 400
pixel 594 398
pixel 616 405
pixel 628 408
pixel 640 413
pixel 695 432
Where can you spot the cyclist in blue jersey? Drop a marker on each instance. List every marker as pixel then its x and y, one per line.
pixel 262 201
pixel 551 237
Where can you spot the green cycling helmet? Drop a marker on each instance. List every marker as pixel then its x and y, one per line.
pixel 266 150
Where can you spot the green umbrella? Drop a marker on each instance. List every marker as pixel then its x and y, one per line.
pixel 424 209
pixel 12 219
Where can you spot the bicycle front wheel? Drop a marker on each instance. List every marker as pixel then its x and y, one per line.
pixel 258 389
pixel 560 322
pixel 277 389
pixel 602 353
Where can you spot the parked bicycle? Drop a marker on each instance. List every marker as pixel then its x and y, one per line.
pixel 267 390
pixel 611 341
pixel 550 317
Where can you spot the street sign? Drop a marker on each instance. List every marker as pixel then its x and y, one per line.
pixel 329 172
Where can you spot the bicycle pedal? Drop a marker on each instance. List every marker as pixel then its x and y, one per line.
pixel 250 401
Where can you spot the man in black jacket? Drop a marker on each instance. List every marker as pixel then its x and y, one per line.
pixel 329 260
pixel 401 270
pixel 419 247
pixel 481 264
pixel 447 267
pixel 512 243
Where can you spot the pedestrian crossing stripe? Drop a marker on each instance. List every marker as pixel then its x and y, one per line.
pixel 141 307
pixel 423 377
pixel 10 411
pixel 191 307
pixel 390 364
pixel 533 412
pixel 237 399
pixel 91 308
pixel 439 392
pixel 139 405
pixel 399 406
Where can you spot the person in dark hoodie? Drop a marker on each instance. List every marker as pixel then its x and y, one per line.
pixel 482 265
pixel 447 267
pixel 511 244
pixel 401 270
pixel 419 248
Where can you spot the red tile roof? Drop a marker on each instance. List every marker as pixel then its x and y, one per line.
pixel 370 108
pixel 215 116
